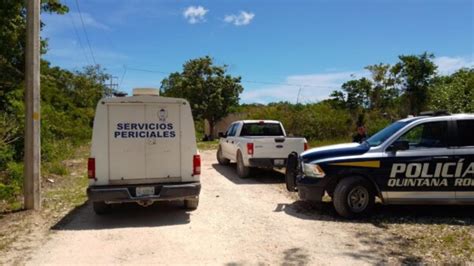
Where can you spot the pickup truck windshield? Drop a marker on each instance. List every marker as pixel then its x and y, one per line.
pixel 261 129
pixel 381 136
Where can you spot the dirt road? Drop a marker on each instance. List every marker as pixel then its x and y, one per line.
pixel 251 221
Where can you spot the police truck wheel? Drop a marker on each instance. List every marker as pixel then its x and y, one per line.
pixel 191 204
pixel 354 197
pixel 290 174
pixel 242 170
pixel 220 157
pixel 101 207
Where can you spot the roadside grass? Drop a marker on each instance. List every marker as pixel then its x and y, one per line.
pixel 63 188
pixel 208 145
pixel 440 242
pixel 326 142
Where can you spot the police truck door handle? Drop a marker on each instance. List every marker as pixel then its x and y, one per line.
pixel 232 142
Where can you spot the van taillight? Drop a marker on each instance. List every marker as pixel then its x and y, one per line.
pixel 196 164
pixel 91 168
pixel 250 148
pixel 306 146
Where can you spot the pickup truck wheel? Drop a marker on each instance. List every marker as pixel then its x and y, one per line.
pixel 191 204
pixel 242 170
pixel 354 197
pixel 220 157
pixel 101 207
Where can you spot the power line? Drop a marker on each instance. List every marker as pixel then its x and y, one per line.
pixel 79 39
pixel 243 81
pixel 123 75
pixel 85 32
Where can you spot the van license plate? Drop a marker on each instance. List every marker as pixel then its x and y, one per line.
pixel 279 162
pixel 145 191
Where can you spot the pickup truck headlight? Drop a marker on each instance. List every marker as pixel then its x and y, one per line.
pixel 313 170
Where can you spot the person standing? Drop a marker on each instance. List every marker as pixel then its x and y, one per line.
pixel 361 134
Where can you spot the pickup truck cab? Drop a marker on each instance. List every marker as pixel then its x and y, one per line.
pixel 143 150
pixel 257 143
pixel 428 159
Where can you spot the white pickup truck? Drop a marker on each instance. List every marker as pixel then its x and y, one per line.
pixel 257 143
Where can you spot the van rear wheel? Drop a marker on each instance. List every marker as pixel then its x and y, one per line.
pixel 354 197
pixel 220 157
pixel 101 207
pixel 242 170
pixel 191 204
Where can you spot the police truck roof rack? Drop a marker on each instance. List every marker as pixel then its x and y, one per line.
pixel 434 113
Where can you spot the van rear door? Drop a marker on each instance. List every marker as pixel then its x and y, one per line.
pixel 144 141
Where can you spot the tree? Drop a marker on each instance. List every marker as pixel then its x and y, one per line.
pixel 415 74
pixel 453 93
pixel 13 41
pixel 211 92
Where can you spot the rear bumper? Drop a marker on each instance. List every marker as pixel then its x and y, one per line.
pixel 269 163
pixel 126 193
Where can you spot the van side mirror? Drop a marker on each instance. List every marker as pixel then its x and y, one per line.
pixel 399 145
pixel 222 135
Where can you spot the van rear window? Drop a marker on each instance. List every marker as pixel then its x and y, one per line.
pixel 261 129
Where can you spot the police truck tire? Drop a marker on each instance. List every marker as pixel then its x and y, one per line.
pixel 290 173
pixel 220 157
pixel 101 207
pixel 242 170
pixel 354 197
pixel 191 204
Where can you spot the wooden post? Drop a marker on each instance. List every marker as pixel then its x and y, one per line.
pixel 32 180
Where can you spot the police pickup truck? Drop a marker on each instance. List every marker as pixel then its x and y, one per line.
pixel 428 159
pixel 257 144
pixel 143 150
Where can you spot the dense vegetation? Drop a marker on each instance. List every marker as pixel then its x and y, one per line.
pixel 390 92
pixel 68 101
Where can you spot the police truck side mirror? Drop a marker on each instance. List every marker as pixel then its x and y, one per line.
pixel 222 135
pixel 399 145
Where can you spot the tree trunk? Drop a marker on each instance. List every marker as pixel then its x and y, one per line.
pixel 211 129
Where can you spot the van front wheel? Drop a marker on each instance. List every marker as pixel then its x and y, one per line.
pixel 191 204
pixel 101 207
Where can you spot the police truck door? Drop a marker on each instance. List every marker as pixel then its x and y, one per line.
pixel 421 172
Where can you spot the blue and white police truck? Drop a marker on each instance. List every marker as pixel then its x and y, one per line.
pixel 428 159
pixel 143 150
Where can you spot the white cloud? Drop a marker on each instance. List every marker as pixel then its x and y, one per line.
pixel 195 14
pixel 448 65
pixel 243 18
pixel 314 87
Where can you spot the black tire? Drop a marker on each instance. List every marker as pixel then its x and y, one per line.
pixel 220 157
pixel 191 204
pixel 101 207
pixel 354 197
pixel 290 174
pixel 242 170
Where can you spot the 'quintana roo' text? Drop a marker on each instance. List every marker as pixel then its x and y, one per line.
pixel 144 130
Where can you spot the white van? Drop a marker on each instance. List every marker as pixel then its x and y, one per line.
pixel 143 150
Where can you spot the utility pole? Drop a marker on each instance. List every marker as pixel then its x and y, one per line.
pixel 32 179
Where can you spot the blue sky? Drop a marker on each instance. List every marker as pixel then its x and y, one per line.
pixel 277 47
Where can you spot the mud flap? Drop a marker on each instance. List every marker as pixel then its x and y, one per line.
pixel 291 172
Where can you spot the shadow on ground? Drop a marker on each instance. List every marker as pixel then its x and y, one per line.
pixel 385 214
pixel 123 216
pixel 257 176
